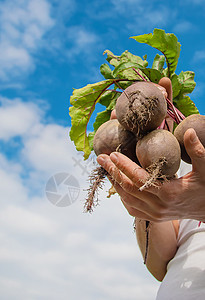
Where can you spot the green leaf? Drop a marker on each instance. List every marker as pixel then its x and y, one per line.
pixel 126 56
pixel 128 70
pixel 176 86
pixel 90 139
pixel 166 43
pixel 185 105
pixel 106 71
pixel 186 79
pixel 182 84
pixel 152 74
pixel 165 73
pixel 124 84
pixel 124 65
pixel 103 116
pixel 111 58
pixel 125 70
pixel 83 103
pixel 108 96
pixel 158 62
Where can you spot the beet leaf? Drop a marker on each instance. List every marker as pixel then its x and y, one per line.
pixel 166 43
pixel 120 72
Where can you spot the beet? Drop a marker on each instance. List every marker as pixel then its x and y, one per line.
pixel 159 153
pixel 141 108
pixel 111 136
pixel 197 122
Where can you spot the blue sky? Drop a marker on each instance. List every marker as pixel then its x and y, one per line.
pixel 47 49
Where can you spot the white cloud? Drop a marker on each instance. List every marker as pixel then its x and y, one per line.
pixel 199 56
pixel 30 26
pixel 144 15
pixel 49 148
pixel 156 17
pixel 47 252
pixel 17 118
pixel 193 2
pixel 81 41
pixel 12 189
pixel 14 59
pixel 23 25
pixel 35 223
pixel 120 5
pixel 184 26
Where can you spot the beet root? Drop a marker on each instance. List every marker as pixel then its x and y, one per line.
pixel 141 108
pixel 96 179
pixel 197 122
pixel 111 136
pixel 159 153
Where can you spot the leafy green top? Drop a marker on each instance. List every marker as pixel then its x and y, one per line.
pixel 126 69
pixel 166 43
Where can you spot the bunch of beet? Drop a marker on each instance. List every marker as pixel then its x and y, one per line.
pixel 139 133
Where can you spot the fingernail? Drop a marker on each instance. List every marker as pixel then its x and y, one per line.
pixel 101 160
pixel 114 158
pixel 193 136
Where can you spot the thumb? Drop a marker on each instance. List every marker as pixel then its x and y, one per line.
pixel 167 84
pixel 113 114
pixel 195 150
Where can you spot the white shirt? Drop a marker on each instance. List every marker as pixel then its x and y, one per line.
pixel 185 277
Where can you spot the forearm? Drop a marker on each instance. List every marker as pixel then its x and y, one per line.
pixel 162 245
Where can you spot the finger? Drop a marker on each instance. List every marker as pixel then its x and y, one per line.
pixel 133 171
pixel 124 182
pixel 195 150
pixel 167 84
pixel 141 204
pixel 137 213
pixel 134 205
pixel 137 175
pixel 116 174
pixel 113 115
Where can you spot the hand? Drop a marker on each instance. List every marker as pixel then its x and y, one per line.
pixel 182 198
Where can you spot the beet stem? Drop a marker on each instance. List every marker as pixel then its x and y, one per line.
pixel 174 113
pixel 162 125
pixel 139 74
pixel 167 125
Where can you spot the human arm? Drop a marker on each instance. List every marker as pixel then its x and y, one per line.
pixel 162 236
pixel 162 244
pixel 182 198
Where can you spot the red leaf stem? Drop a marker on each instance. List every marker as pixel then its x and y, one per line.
pixel 162 125
pixel 139 74
pixel 173 112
